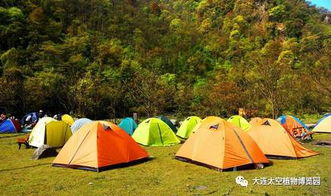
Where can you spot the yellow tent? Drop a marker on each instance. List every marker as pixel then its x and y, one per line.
pixel 68 119
pixel 51 132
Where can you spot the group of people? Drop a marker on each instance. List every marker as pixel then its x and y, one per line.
pixel 27 121
pixel 31 119
pixel 3 117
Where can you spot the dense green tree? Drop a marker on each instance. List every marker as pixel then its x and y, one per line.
pixel 109 58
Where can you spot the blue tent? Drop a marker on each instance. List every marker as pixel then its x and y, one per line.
pixel 33 118
pixel 79 123
pixel 8 126
pixel 128 125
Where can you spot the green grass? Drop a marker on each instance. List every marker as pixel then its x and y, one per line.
pixel 19 175
pixel 310 118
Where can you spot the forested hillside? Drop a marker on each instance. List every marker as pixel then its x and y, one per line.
pixel 107 58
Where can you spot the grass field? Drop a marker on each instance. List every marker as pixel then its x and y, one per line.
pixel 163 175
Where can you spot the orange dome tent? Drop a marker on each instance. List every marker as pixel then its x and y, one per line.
pixel 274 140
pixel 221 145
pixel 98 145
pixel 294 126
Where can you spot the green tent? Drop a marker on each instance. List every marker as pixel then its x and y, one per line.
pixel 186 129
pixel 154 132
pixel 240 121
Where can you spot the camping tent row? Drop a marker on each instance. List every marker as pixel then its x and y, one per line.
pixel 291 124
pixel 98 145
pixel 222 145
pixel 129 125
pixel 160 124
pixel 216 143
pixel 154 131
pixel 157 132
pixel 258 135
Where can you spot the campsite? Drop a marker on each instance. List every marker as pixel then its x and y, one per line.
pixel 162 173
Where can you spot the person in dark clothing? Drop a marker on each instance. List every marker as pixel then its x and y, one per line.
pixel 41 114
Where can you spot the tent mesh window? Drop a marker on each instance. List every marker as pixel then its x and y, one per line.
pixel 266 123
pixel 107 128
pixel 214 126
